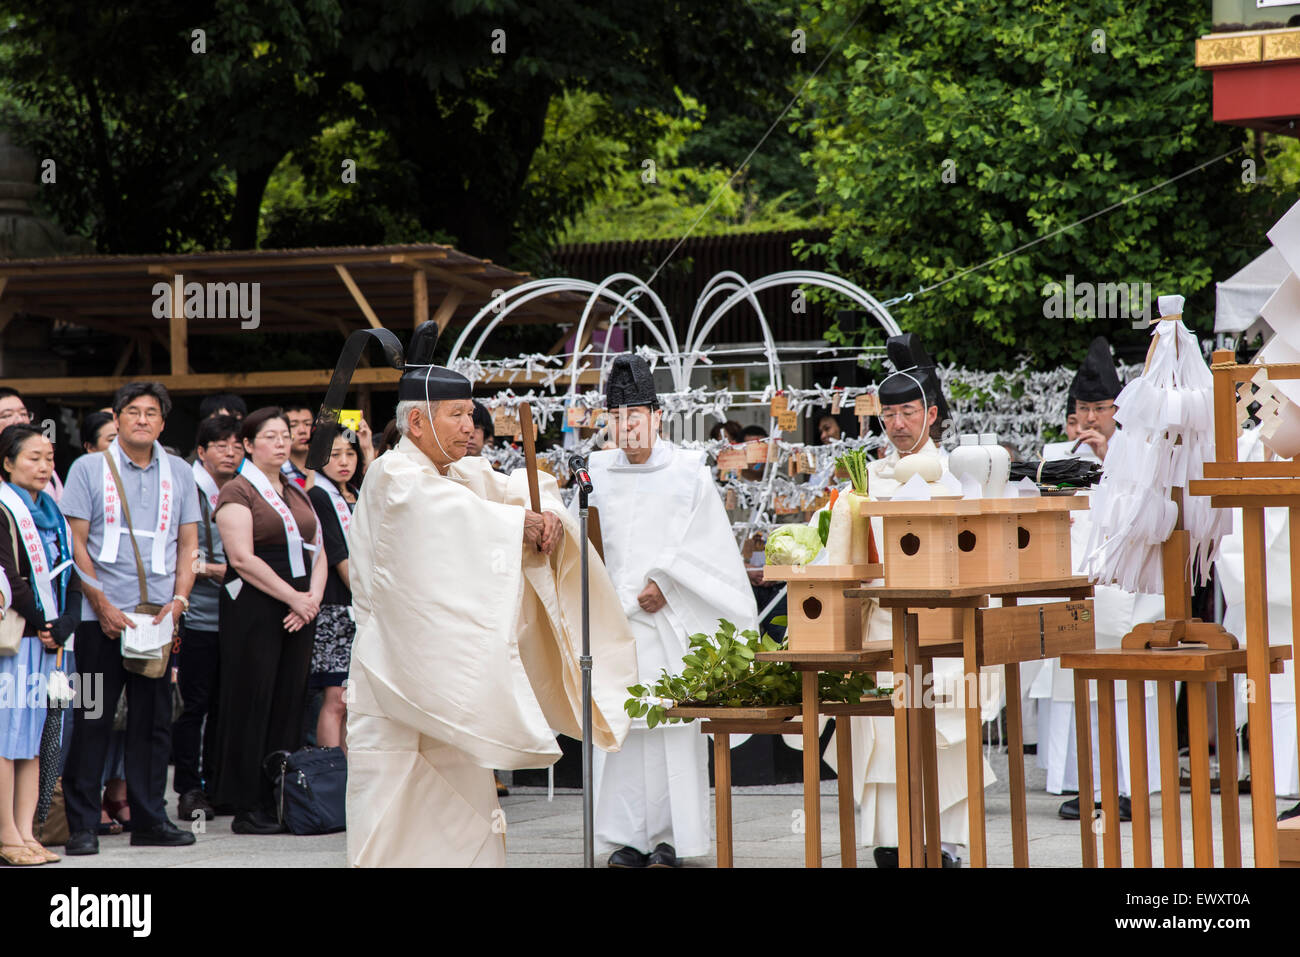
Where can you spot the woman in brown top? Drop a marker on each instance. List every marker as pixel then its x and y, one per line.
pixel 273 588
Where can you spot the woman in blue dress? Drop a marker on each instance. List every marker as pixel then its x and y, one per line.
pixel 36 559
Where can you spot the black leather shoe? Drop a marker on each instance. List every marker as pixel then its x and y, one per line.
pixel 192 803
pixel 628 857
pixel 888 857
pixel 256 822
pixel 1070 809
pixel 664 855
pixel 81 843
pixel 165 834
pixel 1287 815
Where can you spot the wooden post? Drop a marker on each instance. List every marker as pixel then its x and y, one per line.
pixel 1293 523
pixel 1229 801
pixel 1016 761
pixel 929 770
pixel 1198 747
pixel 974 750
pixel 420 301
pixel 1137 775
pixel 1225 406
pixel 844 788
pixel 1171 808
pixel 902 782
pixel 915 768
pixel 1263 801
pixel 1083 740
pixel 812 777
pixel 1107 755
pixel 180 353
pixel 722 790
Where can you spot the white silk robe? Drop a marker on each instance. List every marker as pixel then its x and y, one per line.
pixel 465 657
pixel 664 521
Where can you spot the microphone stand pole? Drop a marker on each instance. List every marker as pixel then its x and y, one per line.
pixel 588 798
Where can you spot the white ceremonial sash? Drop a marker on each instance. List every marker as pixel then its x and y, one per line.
pixel 341 510
pixel 113 524
pixel 293 537
pixel 42 574
pixel 207 485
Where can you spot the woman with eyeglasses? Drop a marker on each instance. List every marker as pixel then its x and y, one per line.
pixel 334 495
pixel 274 585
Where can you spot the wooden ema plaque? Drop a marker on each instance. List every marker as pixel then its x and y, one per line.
pixel 819 617
pixel 975 541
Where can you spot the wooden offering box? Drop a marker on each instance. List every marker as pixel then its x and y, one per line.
pixel 819 617
pixel 992 541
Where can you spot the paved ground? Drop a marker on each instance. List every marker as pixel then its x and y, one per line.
pixel 544 833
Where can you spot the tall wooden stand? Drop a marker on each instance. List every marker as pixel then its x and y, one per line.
pixel 1252 487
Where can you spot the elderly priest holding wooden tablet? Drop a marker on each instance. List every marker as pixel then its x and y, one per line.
pixel 467 603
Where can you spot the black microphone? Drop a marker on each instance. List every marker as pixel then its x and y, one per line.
pixel 578 469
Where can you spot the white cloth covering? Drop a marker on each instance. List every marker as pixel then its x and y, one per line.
pixel 664 521
pixel 465 657
pixel 1231 572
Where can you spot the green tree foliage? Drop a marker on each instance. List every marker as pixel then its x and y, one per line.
pixel 656 193
pixel 165 148
pixel 1038 128
pixel 163 140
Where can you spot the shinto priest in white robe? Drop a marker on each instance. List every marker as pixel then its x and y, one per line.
pixel 465 657
pixel 664 521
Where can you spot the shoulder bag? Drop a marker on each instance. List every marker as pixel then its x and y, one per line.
pixel 148 667
pixel 12 624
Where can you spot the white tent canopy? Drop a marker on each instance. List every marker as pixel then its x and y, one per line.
pixel 1239 299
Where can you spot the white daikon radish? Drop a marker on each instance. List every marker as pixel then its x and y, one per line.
pixel 839 542
pixel 849 540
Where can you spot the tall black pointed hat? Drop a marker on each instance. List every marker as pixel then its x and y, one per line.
pixel 914 376
pixel 630 382
pixel 1096 379
pixel 421 379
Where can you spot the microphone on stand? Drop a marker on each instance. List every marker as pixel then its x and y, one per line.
pixel 578 469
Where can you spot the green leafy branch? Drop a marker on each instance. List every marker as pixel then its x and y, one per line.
pixel 723 671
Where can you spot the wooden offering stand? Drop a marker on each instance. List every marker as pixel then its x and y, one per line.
pixel 819 616
pixel 943 559
pixel 783 719
pixel 1252 487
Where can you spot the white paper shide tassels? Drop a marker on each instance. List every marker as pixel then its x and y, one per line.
pixel 1167 419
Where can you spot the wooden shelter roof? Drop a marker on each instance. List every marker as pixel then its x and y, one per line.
pixel 337 289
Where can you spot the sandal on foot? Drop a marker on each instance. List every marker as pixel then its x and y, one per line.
pixel 41 849
pixel 20 855
pixel 119 811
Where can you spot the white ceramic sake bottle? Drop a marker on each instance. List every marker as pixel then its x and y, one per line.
pixel 971 458
pixel 999 466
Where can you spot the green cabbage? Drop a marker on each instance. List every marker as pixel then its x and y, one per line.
pixel 796 544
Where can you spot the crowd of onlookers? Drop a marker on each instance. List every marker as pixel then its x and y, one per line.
pixel 200 607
